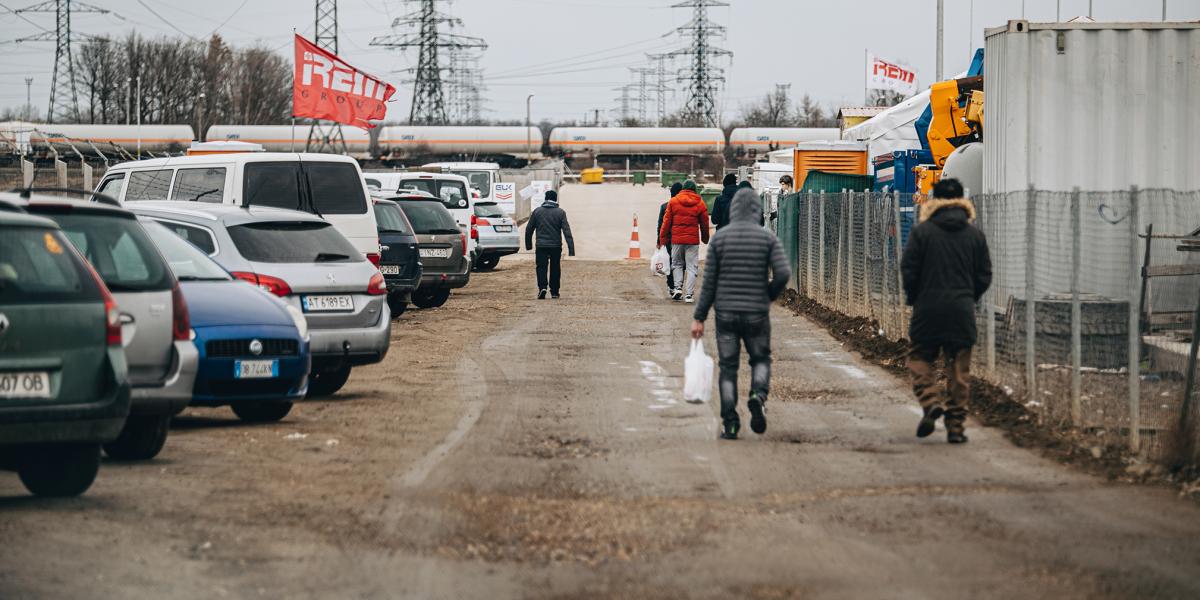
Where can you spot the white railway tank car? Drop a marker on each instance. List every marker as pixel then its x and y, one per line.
pixel 283 138
pixel 413 140
pixel 89 139
pixel 635 141
pixel 753 141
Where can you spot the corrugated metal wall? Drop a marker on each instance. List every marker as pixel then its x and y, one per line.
pixel 1118 105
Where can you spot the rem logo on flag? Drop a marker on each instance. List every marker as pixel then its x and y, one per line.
pixel 338 76
pixel 326 87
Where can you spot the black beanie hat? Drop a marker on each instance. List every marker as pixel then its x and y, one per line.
pixel 551 196
pixel 730 179
pixel 676 188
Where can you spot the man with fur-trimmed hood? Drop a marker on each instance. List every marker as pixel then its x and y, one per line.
pixel 946 269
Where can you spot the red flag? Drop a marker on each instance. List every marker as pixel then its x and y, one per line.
pixel 325 87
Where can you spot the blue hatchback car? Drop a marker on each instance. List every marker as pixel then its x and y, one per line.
pixel 253 348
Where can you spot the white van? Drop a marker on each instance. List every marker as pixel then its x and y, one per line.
pixel 328 185
pixel 453 190
pixel 480 175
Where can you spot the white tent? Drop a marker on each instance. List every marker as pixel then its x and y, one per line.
pixel 892 129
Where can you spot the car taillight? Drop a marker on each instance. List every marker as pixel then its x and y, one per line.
pixel 374 258
pixel 377 287
pixel 482 221
pixel 271 284
pixel 181 322
pixel 464 240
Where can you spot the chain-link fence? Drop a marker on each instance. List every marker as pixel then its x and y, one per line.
pixel 1113 291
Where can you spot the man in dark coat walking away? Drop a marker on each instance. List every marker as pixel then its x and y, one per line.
pixel 662 210
pixel 946 269
pixel 550 223
pixel 735 284
pixel 720 211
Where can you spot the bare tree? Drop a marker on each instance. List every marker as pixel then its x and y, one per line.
pixel 773 110
pixel 810 114
pixel 885 98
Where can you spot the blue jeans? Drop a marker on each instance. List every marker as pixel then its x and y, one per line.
pixel 733 330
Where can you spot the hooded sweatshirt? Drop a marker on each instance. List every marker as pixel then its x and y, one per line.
pixel 739 258
pixel 720 211
pixel 946 269
pixel 686 215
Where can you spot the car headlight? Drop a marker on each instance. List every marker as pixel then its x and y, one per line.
pixel 299 320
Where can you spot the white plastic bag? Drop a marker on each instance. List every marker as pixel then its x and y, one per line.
pixel 660 263
pixel 697 375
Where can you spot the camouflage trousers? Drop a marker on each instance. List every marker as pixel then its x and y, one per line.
pixel 955 397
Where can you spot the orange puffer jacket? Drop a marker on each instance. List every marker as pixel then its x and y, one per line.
pixel 686 220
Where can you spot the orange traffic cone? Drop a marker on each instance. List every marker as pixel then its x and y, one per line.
pixel 635 246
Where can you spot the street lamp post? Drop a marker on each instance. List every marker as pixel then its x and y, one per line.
pixel 200 116
pixel 528 142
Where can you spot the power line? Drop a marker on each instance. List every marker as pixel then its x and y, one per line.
pixel 64 99
pixel 702 76
pixel 166 22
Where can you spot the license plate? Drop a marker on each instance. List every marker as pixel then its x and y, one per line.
pixel 27 384
pixel 327 303
pixel 255 369
pixel 435 253
pixel 389 269
pixel 504 228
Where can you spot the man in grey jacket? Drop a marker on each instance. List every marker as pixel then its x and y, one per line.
pixel 550 223
pixel 735 283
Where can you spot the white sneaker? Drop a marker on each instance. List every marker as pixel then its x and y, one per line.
pixel 688 299
pixel 676 295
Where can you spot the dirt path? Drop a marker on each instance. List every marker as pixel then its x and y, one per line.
pixel 515 448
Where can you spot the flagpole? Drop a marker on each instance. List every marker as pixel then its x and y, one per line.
pixel 294 87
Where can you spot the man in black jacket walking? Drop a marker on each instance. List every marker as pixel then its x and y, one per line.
pixel 550 223
pixel 735 283
pixel 946 269
pixel 720 209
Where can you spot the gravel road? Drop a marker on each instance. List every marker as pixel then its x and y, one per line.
pixel 511 448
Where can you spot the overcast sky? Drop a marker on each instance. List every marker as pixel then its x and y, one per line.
pixel 572 53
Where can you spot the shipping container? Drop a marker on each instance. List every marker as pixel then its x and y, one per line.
pixel 1101 106
pixel 636 141
pixel 830 157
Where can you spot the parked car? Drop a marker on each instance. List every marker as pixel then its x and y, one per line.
pixel 443 250
pixel 64 386
pixel 156 330
pixel 327 185
pixel 401 261
pixel 308 264
pixel 497 235
pixel 254 359
pixel 453 190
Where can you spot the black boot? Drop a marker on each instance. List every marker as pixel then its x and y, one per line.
pixel 929 421
pixel 758 417
pixel 729 430
pixel 956 437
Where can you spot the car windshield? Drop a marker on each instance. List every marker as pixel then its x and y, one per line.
pixel 429 217
pixel 488 210
pixel 293 242
pixel 390 219
pixel 452 193
pixel 188 262
pixel 119 249
pixel 480 180
pixel 37 266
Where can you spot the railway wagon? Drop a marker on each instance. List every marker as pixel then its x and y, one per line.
pixel 283 138
pixel 467 141
pixel 91 140
pixel 636 141
pixel 753 141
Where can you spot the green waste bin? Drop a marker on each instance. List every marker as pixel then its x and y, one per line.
pixel 709 195
pixel 670 177
pixel 639 178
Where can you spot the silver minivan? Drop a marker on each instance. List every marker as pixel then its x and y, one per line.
pixel 306 262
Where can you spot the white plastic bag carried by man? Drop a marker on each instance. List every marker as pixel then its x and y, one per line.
pixel 660 263
pixel 697 375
